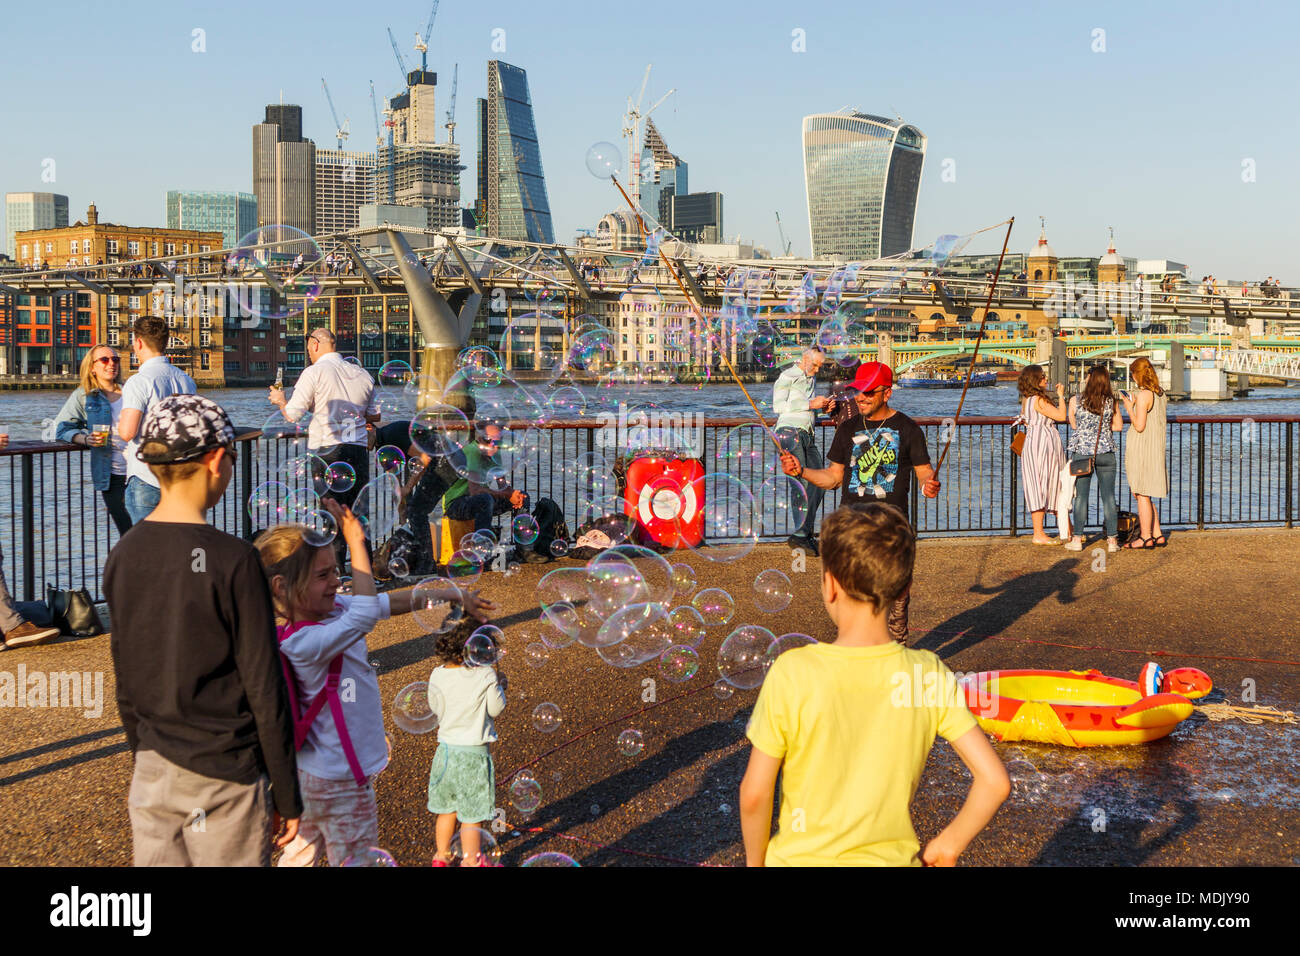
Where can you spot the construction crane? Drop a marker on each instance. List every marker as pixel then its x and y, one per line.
pixel 374 106
pixel 632 120
pixel 785 244
pixel 451 104
pixel 341 130
pixel 401 63
pixel 422 43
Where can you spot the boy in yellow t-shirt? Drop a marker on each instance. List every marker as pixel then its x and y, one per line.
pixel 851 723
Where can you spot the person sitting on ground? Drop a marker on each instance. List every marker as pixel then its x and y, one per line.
pixel 199 685
pixel 848 742
pixel 18 631
pixel 481 490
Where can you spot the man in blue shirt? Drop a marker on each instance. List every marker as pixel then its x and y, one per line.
pixel 154 380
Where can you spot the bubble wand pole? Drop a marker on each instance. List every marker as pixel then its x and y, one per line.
pixel 722 353
pixel 979 337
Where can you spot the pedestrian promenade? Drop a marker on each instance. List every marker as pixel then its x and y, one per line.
pixel 1213 793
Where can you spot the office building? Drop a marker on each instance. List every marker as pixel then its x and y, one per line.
pixel 345 181
pixel 668 178
pixel 862 175
pixel 234 215
pixel 696 217
pixel 511 159
pixel 415 169
pixel 284 170
pixel 32 211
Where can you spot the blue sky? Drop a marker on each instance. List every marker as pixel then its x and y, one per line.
pixel 1149 136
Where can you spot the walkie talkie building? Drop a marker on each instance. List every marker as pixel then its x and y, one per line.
pixel 862 174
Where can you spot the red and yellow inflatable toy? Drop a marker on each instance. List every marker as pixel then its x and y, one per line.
pixel 1083 708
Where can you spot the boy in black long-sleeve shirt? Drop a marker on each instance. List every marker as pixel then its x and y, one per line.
pixel 199 681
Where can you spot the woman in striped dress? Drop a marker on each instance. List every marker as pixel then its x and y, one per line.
pixel 1043 458
pixel 1144 454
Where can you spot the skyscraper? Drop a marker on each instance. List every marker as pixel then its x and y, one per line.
pixel 862 175
pixel 517 207
pixel 284 170
pixel 345 181
pixel 668 178
pixel 417 170
pixel 32 211
pixel 234 215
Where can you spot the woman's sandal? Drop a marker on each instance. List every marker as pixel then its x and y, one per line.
pixel 1139 544
pixel 1159 541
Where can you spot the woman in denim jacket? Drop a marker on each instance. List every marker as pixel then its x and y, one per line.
pixel 89 418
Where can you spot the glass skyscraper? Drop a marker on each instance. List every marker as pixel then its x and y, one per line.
pixel 862 174
pixel 234 215
pixel 517 207
pixel 32 211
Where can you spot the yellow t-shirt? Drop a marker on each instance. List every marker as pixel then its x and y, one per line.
pixel 854 726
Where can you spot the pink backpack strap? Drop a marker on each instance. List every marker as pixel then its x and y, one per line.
pixel 302 723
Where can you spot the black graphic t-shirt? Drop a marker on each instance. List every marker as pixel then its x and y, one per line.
pixel 878 458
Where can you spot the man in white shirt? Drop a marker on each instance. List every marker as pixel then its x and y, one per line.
pixel 341 398
pixel 154 380
pixel 795 406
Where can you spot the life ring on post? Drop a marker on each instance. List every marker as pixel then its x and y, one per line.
pixel 661 493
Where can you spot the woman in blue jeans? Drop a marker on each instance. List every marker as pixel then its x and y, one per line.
pixel 1094 420
pixel 89 418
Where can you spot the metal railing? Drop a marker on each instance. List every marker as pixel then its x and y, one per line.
pixel 1223 471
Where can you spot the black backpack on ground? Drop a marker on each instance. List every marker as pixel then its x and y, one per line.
pixel 550 525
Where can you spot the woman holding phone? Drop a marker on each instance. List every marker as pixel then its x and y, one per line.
pixel 1094 417
pixel 89 418
pixel 1144 455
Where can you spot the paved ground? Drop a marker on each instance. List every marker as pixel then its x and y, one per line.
pixel 1222 793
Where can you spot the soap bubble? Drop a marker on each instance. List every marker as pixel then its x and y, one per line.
pixel 630 743
pixel 376 505
pixel 679 663
pixel 547 717
pixel 435 614
pixel 654 570
pixel 441 431
pixel 412 710
pixel 399 567
pixel 604 160
pixel 389 458
pixel 550 859
pixel 464 567
pixel 559 548
pixel 481 544
pixel 287 253
pixel 395 374
pixel 489 849
pixel 480 366
pixel 266 504
pixel 370 331
pixel 567 402
pixel 683 579
pixel 278 428
pixel 782 504
pixel 722 690
pixel 742 658
pixel 305 471
pixel 715 606
pixel 524 528
pixel 340 477
pixel 729 523
pixel 482 647
pixel 552 637
pixel 788 642
pixel 687 626
pixel 525 794
pixel 634 635
pixel 613 583
pixel 319 528
pixel 772 591
pixel 536 654
pixel 371 856
pixel 299 501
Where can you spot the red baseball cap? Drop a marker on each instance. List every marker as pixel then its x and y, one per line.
pixel 872 375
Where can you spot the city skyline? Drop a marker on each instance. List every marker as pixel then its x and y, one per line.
pixel 1033 112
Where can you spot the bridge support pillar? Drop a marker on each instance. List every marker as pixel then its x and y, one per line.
pixel 885 349
pixel 1177 372
pixel 1058 362
pixel 439 326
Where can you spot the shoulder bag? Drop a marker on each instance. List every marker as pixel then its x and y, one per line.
pixel 1018 429
pixel 1083 465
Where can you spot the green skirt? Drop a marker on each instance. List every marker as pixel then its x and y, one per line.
pixel 462 780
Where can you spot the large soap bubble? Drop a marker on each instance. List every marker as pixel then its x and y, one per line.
pixel 742 658
pixel 414 710
pixel 284 265
pixel 604 160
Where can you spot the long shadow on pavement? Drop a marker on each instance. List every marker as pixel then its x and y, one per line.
pixel 1011 601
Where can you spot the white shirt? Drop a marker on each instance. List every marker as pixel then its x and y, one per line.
pixel 116 443
pixel 339 395
pixel 469 698
pixel 309 651
pixel 154 380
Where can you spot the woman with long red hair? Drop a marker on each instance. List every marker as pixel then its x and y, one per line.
pixel 1144 453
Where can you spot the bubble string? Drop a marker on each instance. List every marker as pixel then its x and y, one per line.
pixel 979 338
pixel 722 352
pixel 603 846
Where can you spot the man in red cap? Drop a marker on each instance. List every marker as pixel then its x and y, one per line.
pixel 872 458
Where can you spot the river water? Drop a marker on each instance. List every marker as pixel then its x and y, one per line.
pixel 24 412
